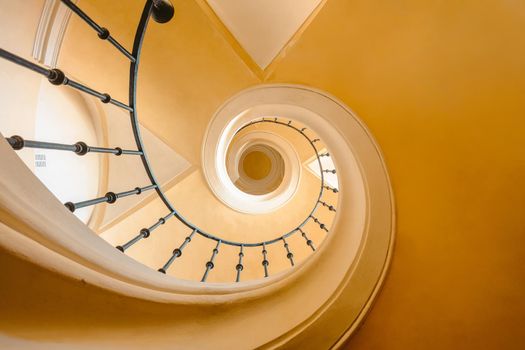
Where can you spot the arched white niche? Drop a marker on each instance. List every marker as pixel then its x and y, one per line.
pixel 225 163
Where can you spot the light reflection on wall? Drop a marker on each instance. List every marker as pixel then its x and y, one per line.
pixel 62 116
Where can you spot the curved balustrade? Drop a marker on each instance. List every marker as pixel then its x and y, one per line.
pixel 162 11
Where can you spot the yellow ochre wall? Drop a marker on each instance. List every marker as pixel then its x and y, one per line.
pixel 441 85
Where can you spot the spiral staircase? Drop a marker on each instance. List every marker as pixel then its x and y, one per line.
pixel 279 237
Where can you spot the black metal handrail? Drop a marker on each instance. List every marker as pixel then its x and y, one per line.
pixel 161 11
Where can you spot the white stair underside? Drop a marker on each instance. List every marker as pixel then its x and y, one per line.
pixel 263 27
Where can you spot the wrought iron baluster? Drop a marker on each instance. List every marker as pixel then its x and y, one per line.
pixel 334 190
pixel 239 267
pixel 110 197
pixel 209 264
pixel 144 233
pixel 265 261
pixel 289 254
pixel 321 225
pixel 330 207
pixel 103 33
pixel 57 77
pixel 176 253
pixel 308 240
pixel 80 148
pixel 48 73
pixel 104 97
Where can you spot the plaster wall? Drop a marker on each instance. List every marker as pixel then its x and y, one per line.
pixel 441 85
pixel 19 88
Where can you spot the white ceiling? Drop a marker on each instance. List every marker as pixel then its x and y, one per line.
pixel 263 27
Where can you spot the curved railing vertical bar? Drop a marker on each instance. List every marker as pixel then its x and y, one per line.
pixel 161 11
